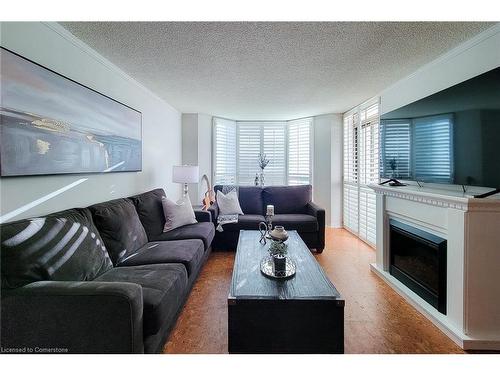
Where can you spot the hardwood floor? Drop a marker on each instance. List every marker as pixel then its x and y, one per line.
pixel 377 319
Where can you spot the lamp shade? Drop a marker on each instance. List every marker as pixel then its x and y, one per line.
pixel 185 174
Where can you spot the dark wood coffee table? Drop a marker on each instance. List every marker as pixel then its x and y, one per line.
pixel 304 314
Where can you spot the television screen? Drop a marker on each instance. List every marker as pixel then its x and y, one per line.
pixel 450 137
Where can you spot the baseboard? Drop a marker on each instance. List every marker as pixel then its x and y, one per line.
pixel 482 345
pixel 438 319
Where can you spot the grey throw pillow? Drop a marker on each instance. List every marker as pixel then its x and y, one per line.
pixel 177 213
pixel 229 203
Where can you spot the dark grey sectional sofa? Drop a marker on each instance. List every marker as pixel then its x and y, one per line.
pixel 101 279
pixel 293 207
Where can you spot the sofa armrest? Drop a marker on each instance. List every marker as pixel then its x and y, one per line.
pixel 214 211
pixel 202 216
pixel 315 210
pixel 73 317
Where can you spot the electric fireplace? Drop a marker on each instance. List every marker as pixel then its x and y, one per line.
pixel 418 260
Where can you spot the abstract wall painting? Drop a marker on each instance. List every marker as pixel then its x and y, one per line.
pixel 50 124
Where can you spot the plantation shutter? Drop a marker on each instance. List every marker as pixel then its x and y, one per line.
pixel 286 144
pixel 361 168
pixel 299 151
pixel 274 147
pixel 368 171
pixel 350 199
pixel 369 146
pixel 396 153
pixel 249 148
pixel 224 151
pixel 433 145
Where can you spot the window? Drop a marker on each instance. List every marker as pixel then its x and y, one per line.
pixel 274 146
pixel 224 151
pixel 249 142
pixel 261 137
pixel 299 151
pixel 368 171
pixel 287 144
pixel 351 172
pixel 361 168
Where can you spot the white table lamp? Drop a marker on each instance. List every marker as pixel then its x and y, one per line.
pixel 185 174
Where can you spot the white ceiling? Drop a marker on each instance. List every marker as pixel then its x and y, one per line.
pixel 270 70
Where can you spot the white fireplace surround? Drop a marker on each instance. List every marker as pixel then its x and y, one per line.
pixel 471 227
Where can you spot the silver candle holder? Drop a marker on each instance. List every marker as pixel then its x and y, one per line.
pixel 269 219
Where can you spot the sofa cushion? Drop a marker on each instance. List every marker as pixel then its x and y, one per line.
pixel 247 222
pixel 298 222
pixel 288 199
pixel 163 290
pixel 120 227
pixel 150 211
pixel 229 203
pixel 177 213
pixel 201 231
pixel 250 198
pixel 64 246
pixel 187 252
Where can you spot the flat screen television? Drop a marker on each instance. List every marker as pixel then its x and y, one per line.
pixel 450 137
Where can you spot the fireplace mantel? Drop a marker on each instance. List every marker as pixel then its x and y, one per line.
pixel 440 197
pixel 471 227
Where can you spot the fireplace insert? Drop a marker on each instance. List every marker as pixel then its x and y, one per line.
pixel 418 260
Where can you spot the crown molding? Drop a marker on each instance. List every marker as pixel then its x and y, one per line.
pixel 461 48
pixel 57 28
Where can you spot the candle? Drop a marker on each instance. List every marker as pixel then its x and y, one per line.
pixel 270 210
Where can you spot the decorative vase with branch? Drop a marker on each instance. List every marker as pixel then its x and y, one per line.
pixel 263 162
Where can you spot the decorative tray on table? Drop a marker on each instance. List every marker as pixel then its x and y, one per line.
pixel 267 268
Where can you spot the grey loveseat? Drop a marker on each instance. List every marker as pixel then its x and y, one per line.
pixel 101 279
pixel 293 207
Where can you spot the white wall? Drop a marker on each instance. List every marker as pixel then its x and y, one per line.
pixel 197 149
pixel 53 47
pixel 336 159
pixel 476 56
pixel 327 166
pixel 190 147
pixel 204 150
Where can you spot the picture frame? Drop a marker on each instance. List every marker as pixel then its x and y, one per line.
pixel 51 124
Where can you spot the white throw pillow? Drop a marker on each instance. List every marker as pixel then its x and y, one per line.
pixel 177 213
pixel 228 203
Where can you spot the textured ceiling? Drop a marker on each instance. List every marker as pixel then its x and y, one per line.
pixel 270 70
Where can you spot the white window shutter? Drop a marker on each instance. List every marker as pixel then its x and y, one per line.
pixel 351 189
pixel 224 151
pixel 249 148
pixel 367 215
pixel 287 145
pixel 299 151
pixel 368 171
pixel 274 147
pixel 361 168
pixel 369 146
